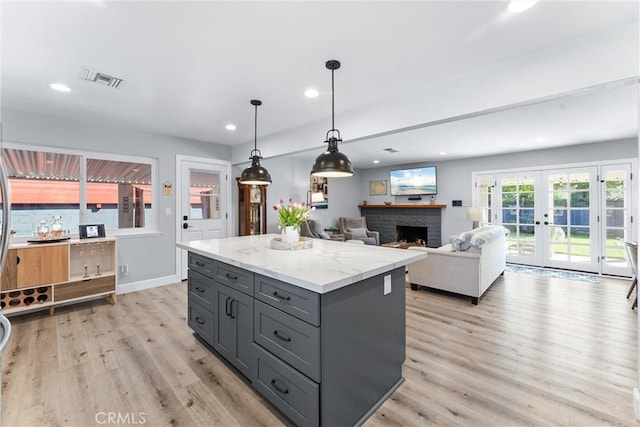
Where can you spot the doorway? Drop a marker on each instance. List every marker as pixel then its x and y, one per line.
pixel 574 218
pixel 203 194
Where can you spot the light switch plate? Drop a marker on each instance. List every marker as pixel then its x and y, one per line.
pixel 167 211
pixel 387 284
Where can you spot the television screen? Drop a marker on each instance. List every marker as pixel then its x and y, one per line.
pixel 413 182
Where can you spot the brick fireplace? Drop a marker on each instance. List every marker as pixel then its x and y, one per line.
pixel 385 218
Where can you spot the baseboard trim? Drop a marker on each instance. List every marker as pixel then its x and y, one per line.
pixel 147 284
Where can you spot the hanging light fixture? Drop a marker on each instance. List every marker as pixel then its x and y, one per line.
pixel 255 174
pixel 332 163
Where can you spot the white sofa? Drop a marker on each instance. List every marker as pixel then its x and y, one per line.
pixel 468 272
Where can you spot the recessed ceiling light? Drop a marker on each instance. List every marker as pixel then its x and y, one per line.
pixel 311 93
pixel 517 6
pixel 540 139
pixel 60 87
pixel 376 161
pixel 441 153
pixel 230 126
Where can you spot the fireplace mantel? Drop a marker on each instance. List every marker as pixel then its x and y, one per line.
pixel 414 206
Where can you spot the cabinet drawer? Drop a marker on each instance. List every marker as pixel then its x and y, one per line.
pixel 292 340
pixel 301 303
pixel 202 265
pixel 291 392
pixel 201 290
pixel 83 288
pixel 234 277
pixel 202 321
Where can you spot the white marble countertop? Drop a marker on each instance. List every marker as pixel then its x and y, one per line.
pixel 327 266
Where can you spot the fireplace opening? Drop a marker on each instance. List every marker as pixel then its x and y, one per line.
pixel 411 234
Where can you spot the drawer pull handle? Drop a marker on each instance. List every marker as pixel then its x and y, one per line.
pixel 275 385
pixel 282 337
pixel 232 277
pixel 200 263
pixel 200 320
pixel 199 289
pixel 283 298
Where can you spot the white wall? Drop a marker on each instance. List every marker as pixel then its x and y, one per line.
pixel 152 257
pixel 454 177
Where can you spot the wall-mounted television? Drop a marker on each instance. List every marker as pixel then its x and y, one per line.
pixel 414 181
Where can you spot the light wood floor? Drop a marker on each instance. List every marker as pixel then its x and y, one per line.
pixel 536 351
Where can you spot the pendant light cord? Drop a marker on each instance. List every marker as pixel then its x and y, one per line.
pixel 255 128
pixel 333 114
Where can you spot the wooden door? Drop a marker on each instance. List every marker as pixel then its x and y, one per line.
pixel 42 265
pixel 9 273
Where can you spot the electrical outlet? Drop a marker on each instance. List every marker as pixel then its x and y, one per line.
pixel 124 270
pixel 387 284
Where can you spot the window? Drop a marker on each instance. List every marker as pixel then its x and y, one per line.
pixel 118 193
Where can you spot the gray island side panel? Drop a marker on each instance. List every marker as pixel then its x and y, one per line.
pixel 363 348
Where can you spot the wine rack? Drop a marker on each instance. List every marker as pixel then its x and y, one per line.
pixel 23 298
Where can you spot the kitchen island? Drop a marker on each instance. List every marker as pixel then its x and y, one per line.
pixel 319 332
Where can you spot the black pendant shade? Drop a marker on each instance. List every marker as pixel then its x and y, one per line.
pixel 255 174
pixel 332 163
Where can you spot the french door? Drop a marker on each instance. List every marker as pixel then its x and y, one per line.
pixel 572 218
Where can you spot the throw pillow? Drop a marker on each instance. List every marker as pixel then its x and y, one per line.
pixel 358 233
pixel 324 235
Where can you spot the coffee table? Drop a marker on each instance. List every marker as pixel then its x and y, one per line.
pixel 400 245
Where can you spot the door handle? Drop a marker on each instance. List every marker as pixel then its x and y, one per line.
pixel 546 223
pixel 226 307
pixel 231 308
pixel 537 222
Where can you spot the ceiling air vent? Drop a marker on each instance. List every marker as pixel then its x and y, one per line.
pixel 390 150
pixel 93 76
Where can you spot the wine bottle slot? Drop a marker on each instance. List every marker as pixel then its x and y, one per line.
pixel 14 302
pixel 28 300
pixel 43 290
pixel 14 294
pixel 28 291
pixel 42 298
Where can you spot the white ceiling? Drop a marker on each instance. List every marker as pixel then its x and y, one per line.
pixel 189 68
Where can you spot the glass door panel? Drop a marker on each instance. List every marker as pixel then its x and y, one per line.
pixel 570 211
pixel 517 195
pixel 616 221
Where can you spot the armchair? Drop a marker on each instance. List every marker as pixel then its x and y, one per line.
pixel 312 228
pixel 356 229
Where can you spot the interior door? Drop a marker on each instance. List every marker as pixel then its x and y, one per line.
pixel 203 210
pixel 570 215
pixel 615 181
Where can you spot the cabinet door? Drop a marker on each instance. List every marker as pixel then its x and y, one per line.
pixel 234 327
pixel 242 313
pixel 225 326
pixel 10 271
pixel 42 265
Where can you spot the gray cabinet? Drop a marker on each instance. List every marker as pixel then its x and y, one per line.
pixel 321 359
pixel 234 327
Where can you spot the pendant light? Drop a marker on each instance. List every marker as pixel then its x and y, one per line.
pixel 255 174
pixel 332 163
